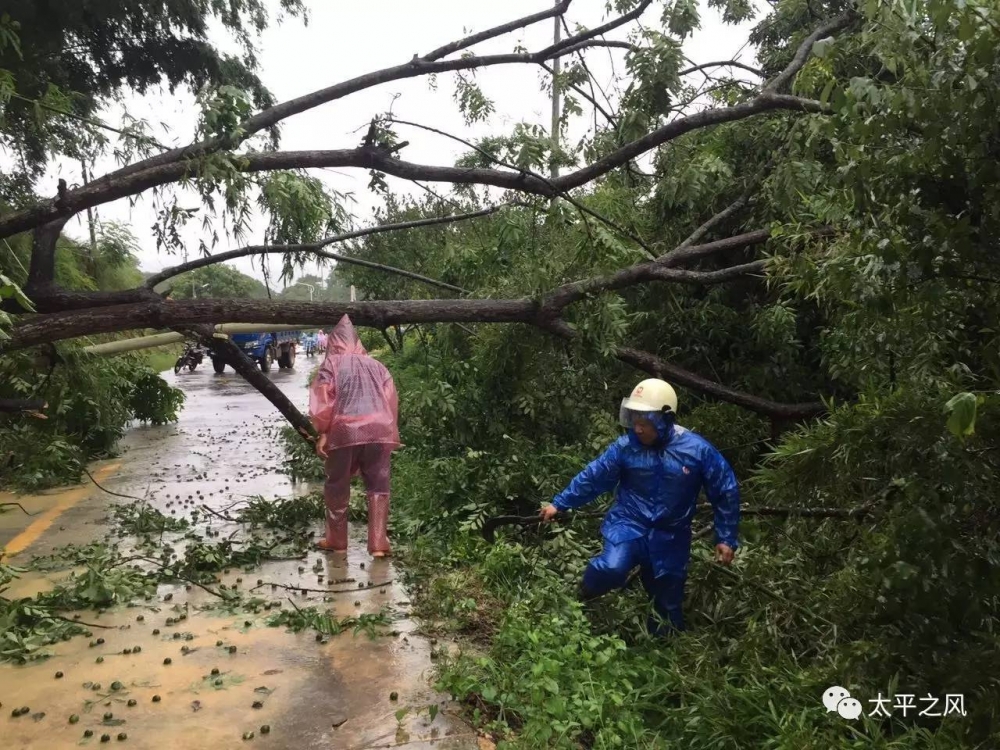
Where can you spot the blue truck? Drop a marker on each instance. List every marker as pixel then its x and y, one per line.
pixel 265 349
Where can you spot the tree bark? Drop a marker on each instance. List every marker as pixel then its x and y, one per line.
pixel 55 299
pixel 17 405
pixel 185 313
pixel 42 271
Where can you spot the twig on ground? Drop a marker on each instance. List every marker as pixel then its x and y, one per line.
pixel 292 587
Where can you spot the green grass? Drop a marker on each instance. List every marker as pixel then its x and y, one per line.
pixel 162 358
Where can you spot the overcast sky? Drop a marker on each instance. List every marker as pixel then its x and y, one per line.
pixel 345 39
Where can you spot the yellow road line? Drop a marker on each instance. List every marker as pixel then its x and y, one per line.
pixel 67 500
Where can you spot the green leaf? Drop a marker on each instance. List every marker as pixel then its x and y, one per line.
pixel 967 28
pixel 962 414
pixel 824 97
pixel 8 290
pixel 682 18
pixel 821 47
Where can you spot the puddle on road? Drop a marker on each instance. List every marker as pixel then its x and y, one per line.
pixel 313 695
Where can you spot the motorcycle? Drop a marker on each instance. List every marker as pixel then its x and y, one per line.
pixel 191 357
pixel 308 343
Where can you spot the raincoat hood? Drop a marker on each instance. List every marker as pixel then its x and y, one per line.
pixel 352 399
pixel 664 424
pixel 344 339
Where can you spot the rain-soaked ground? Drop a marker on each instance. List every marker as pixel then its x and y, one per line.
pixel 310 694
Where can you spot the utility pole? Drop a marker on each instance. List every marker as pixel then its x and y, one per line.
pixel 92 224
pixel 553 166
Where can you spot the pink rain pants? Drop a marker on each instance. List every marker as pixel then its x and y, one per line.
pixel 372 462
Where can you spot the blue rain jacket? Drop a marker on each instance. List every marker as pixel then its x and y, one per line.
pixel 657 492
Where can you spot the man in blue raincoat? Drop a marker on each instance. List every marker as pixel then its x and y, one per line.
pixel 659 469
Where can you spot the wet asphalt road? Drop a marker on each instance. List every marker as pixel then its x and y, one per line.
pixel 333 695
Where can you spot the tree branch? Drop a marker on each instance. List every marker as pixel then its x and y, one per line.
pixel 535 176
pixel 784 78
pixel 377 315
pixel 186 313
pixel 315 248
pixel 674 129
pixel 718 276
pixel 730 210
pixel 232 355
pixel 722 64
pixel 547 68
pixel 120 185
pixel 558 299
pixel 52 299
pixel 18 405
pixel 733 208
pixel 659 368
pixel 686 254
pixel 559 9
pixel 718 218
pixel 589 43
pixel 155 312
pixel 766 510
pixel 588 38
pixel 682 255
pixel 414 68
pixel 544 314
pixel 94 123
pixel 591 78
pixel 392 270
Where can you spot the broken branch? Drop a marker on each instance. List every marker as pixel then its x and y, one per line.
pixel 165 169
pixel 315 247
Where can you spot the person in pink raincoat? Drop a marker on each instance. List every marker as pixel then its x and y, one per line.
pixel 321 340
pixel 354 407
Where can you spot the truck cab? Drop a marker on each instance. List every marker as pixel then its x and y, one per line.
pixel 265 349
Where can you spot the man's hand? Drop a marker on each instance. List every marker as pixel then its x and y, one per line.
pixel 724 554
pixel 548 512
pixel 321 446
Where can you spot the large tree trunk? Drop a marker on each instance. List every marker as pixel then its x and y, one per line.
pixel 186 313
pixel 379 315
pixel 42 271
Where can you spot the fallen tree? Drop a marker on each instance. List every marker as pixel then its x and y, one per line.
pixel 62 314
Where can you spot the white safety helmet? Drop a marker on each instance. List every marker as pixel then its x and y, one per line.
pixel 651 395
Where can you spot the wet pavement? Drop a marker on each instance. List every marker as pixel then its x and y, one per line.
pixel 337 694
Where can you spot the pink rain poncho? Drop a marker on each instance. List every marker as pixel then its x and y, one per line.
pixel 354 405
